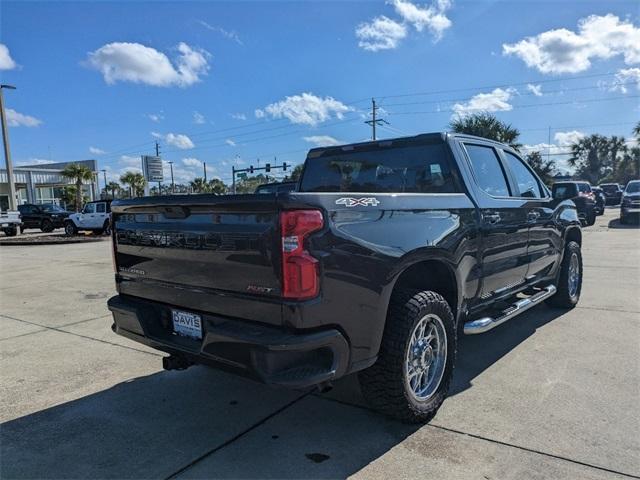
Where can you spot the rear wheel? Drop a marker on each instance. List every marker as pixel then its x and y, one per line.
pixel 569 279
pixel 11 231
pixel 46 226
pixel 591 218
pixel 411 377
pixel 70 228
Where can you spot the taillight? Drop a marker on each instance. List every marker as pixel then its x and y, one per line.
pixel 299 269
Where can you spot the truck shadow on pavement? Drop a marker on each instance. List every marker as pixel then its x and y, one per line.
pixel 615 223
pixel 204 423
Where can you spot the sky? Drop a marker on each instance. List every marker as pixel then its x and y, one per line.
pixel 246 83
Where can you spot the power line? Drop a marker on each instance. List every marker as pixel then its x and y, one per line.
pixel 503 85
pixel 448 110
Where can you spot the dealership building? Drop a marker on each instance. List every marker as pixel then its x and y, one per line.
pixel 44 183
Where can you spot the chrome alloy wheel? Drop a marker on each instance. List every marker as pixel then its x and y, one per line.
pixel 574 275
pixel 425 357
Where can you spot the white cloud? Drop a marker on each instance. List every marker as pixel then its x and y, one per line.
pixel 322 140
pixel 495 101
pixel 155 117
pixel 238 116
pixel 624 79
pixel 192 162
pixel 535 89
pixel 433 17
pixel 565 51
pixel 6 62
pixel 307 109
pixel 228 34
pixel 198 118
pixel 381 33
pixel 96 151
pixel 230 142
pixel 565 139
pixel 17 119
pixel 130 161
pixel 156 135
pixel 133 62
pixel 179 140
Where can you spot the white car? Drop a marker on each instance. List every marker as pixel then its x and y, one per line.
pixel 95 217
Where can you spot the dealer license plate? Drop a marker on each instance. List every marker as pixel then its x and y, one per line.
pixel 187 324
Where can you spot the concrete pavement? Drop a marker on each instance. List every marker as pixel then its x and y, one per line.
pixel 551 394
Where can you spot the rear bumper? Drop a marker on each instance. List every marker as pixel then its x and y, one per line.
pixel 290 358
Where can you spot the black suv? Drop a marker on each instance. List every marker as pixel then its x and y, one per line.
pixel 46 217
pixel 582 196
pixel 613 192
pixel 630 204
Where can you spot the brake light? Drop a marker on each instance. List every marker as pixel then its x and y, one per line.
pixel 299 269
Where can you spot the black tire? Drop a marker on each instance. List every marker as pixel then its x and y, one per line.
pixel 11 231
pixel 46 226
pixel 591 218
pixel 565 297
pixel 70 228
pixel 385 384
pixel 623 220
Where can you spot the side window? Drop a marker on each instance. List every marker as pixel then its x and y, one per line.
pixel 89 208
pixel 528 186
pixel 487 170
pixel 100 208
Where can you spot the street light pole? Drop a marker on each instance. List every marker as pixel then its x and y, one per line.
pixel 106 192
pixel 173 186
pixel 7 150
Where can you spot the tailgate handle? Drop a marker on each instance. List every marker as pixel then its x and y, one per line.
pixel 175 212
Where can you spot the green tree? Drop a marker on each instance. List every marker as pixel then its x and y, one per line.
pixel 135 181
pixel 249 184
pixel 545 168
pixel 295 175
pixel 199 185
pixel 596 157
pixel 79 174
pixel 114 187
pixel 217 186
pixel 487 126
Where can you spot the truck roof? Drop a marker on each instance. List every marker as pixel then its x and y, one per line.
pixel 420 139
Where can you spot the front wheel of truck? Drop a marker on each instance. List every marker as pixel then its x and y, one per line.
pixel 411 377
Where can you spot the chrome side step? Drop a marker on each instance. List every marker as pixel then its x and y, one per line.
pixel 485 324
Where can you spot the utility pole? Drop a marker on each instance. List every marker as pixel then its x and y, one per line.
pixel 233 181
pixel 157 155
pixel 106 192
pixel 7 150
pixel 549 145
pixel 205 171
pixel 374 120
pixel 173 185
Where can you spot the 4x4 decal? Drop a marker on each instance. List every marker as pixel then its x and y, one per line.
pixel 358 202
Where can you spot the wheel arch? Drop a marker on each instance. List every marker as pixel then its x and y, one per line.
pixel 431 274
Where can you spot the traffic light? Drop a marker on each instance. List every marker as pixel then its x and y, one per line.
pixel 251 169
pixel 284 166
pixel 267 167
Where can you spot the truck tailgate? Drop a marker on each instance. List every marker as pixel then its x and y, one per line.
pixel 217 252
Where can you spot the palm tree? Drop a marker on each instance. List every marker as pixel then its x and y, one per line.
pixel 136 183
pixel 217 186
pixel 199 185
pixel 79 174
pixel 487 126
pixel 544 168
pixel 114 187
pixel 636 131
pixel 597 157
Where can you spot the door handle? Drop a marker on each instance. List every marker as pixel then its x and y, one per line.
pixel 533 215
pixel 492 218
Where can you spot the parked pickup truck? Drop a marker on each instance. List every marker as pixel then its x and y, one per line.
pixel 383 254
pixel 10 221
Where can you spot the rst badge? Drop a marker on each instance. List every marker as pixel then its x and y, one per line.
pixel 358 202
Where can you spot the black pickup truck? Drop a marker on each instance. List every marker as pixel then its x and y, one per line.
pixel 386 251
